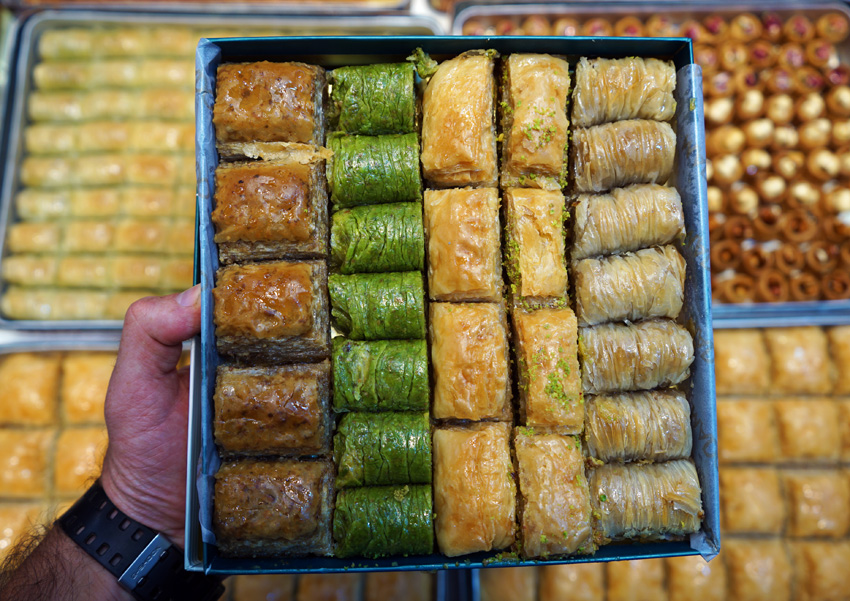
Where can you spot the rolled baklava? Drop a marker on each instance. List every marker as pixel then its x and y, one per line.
pixel 373 99
pixel 374 238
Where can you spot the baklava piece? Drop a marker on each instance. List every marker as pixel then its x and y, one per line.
pixel 577 581
pixel 280 410
pixel 759 570
pixel 817 503
pixel 747 432
pixel 691 577
pixel 751 501
pixel 501 584
pixel 469 359
pixel 839 344
pixel 269 102
pixel 463 233
pixel 546 342
pixel 328 587
pixel 554 513
pixel 741 362
pixel 18 519
pixel 398 586
pixel 809 430
pixel 474 492
pixel 644 575
pixel 30 389
pixel 79 456
pixel 800 359
pixel 820 569
pixel 273 508
pixel 24 457
pixel 273 311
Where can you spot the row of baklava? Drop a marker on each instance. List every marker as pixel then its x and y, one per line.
pixel 372 586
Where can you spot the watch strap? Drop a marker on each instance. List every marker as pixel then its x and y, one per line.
pixel 143 561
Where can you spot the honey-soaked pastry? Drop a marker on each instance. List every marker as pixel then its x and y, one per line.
pixel 647 283
pixel 18 520
pixel 844 428
pixel 640 356
pixel 373 99
pixel 741 362
pixel 30 270
pixel 24 459
pixel 177 273
pixel 85 271
pixel 378 306
pixel 469 359
pixel 617 154
pixel 639 426
pixel 534 121
pixel 474 492
pixel 550 378
pixel 839 346
pixel 820 569
pixel 458 129
pixel 270 210
pixel 85 379
pixel 463 233
pixel 273 311
pixel 809 429
pixel 577 581
pixel 554 513
pixel 746 432
pixel 30 392
pixel 34 237
pixel 652 501
pixel 269 102
pixel 282 410
pixel 79 456
pixel 398 586
pixel 626 219
pixel 503 584
pixel 273 587
pixel 53 304
pixel 89 105
pixel 273 508
pixel 751 501
pixel 89 236
pixel 328 587
pixel 692 577
pixel 757 569
pixel 625 88
pixel 817 503
pixel 534 247
pixel 636 579
pixel 800 360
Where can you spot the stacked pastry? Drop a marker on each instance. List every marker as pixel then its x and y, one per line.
pixel 629 289
pixel 274 489
pixel 474 494
pixel 104 213
pixel 382 446
pixel 554 512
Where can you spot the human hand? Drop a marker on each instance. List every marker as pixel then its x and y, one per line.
pixel 147 409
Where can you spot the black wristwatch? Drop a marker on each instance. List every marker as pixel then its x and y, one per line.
pixel 142 560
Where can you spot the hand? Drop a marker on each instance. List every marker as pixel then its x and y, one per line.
pixel 147 407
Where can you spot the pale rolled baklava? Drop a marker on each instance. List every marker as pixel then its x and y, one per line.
pixel 273 311
pixel 85 379
pixel 691 577
pixel 578 581
pixel 534 121
pixel 469 360
pixel 269 102
pixel 34 237
pixel 79 456
pixel 809 430
pixel 757 569
pixel 534 248
pixel 817 503
pixel 90 105
pixel 24 459
pixel 800 360
pixel 458 126
pixel 503 584
pixel 617 154
pixel 474 493
pixel 647 283
pixel 626 219
pixel 463 235
pixel 29 395
pixel 641 356
pixel 554 512
pixel 625 88
pixel 272 508
pixel 741 362
pixel 747 431
pixel 54 304
pixel 281 410
pixel 752 501
pixel 626 578
pixel 652 501
pixel 641 426
pixel 270 210
pixel 549 376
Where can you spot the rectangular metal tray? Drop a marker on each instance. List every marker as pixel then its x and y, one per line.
pixel 725 315
pixel 333 52
pixel 27 58
pixel 330 8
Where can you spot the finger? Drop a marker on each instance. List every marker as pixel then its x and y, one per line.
pixel 154 330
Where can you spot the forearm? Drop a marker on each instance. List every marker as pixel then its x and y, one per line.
pixel 57 570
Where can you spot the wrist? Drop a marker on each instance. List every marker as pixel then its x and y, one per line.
pixel 90 578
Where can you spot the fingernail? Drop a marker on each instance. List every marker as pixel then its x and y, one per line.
pixel 190 297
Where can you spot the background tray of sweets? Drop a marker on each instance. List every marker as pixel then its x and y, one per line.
pixel 316 7
pixel 777 139
pixel 203 455
pixel 98 195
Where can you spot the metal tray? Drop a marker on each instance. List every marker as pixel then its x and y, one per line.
pixel 27 58
pixel 277 7
pixel 725 315
pixel 8 40
pixel 332 52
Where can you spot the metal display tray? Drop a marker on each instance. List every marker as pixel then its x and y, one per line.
pixel 27 57
pixel 327 8
pixel 696 316
pixel 725 315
